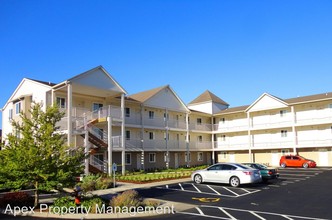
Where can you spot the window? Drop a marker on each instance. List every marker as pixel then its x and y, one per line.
pixel 187 157
pixel 223 155
pixel 127 112
pixel 283 133
pixel 127 135
pixel 283 113
pixel 152 157
pixel 200 156
pixel 151 135
pixel 330 106
pixel 222 120
pixel 151 114
pixel 128 158
pixel 10 114
pixel 96 106
pixel 223 137
pixel 200 138
pixel 17 108
pixel 199 121
pixel 61 102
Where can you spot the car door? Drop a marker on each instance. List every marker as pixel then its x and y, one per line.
pixel 296 161
pixel 212 173
pixel 226 172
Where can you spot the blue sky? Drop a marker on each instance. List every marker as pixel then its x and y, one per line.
pixel 236 49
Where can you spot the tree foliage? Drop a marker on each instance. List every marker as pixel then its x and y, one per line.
pixel 36 155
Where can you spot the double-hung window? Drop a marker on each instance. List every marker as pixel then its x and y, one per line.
pixel 18 108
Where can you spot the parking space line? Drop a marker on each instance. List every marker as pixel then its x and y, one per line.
pixel 199 210
pixel 231 191
pixel 297 174
pixel 181 187
pixel 213 190
pixel 256 213
pixel 284 216
pixel 226 213
pixel 196 188
pixel 258 216
pixel 245 190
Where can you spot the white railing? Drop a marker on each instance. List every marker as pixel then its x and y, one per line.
pixel 315 143
pixel 99 164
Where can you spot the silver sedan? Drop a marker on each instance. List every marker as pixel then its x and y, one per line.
pixel 230 173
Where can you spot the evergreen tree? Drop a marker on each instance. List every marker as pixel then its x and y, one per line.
pixel 36 155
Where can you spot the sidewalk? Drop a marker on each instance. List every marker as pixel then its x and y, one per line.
pixel 169 207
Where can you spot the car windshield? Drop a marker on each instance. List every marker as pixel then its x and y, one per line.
pixel 243 167
pixel 261 166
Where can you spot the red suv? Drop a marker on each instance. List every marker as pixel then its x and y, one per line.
pixel 296 161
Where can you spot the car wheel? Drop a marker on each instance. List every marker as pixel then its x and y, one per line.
pixel 234 181
pixel 305 165
pixel 283 165
pixel 198 179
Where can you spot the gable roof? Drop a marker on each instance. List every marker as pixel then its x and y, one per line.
pixel 146 95
pixel 43 83
pixel 275 99
pixel 208 96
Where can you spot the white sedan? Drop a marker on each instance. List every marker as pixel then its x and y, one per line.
pixel 230 173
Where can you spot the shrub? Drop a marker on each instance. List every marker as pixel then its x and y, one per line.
pixel 103 183
pixel 65 201
pixel 17 199
pixel 126 199
pixel 92 202
pixel 151 203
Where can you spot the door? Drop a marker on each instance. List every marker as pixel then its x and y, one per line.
pixel 176 160
pixel 226 173
pixel 275 158
pixel 323 157
pixel 213 173
pixel 231 157
pixel 138 162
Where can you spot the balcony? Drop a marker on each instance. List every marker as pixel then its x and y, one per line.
pixel 314 143
pixel 200 127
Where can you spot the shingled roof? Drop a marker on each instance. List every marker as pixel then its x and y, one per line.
pixel 290 101
pixel 145 95
pixel 208 96
pixel 43 82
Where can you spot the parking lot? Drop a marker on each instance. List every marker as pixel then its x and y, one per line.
pixel 297 194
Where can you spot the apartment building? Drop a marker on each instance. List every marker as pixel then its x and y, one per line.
pixel 271 127
pixel 156 129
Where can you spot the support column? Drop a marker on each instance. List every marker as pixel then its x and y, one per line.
pixel 86 146
pixel 249 138
pixel 294 131
pixel 142 138
pixel 109 145
pixel 187 139
pixel 123 153
pixel 212 139
pixel 69 113
pixel 166 139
